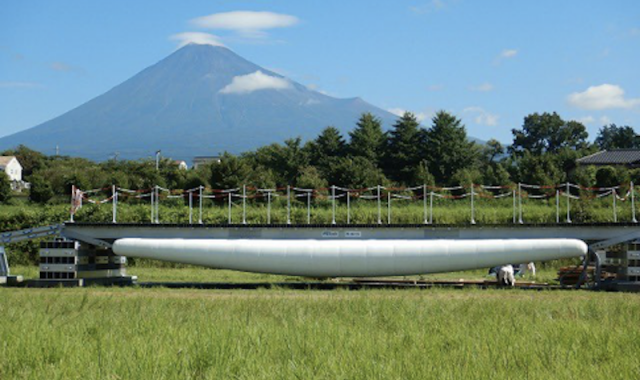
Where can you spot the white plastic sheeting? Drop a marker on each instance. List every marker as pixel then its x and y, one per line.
pixel 349 258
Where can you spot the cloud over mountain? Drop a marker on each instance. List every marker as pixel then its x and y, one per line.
pixel 244 84
pixel 197 38
pixel 246 23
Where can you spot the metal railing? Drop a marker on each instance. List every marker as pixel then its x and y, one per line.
pixel 422 193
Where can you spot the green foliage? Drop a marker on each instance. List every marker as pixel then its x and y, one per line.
pixel 584 176
pixel 310 178
pixel 261 177
pixel 548 133
pixel 5 187
pixel 492 151
pixel 423 176
pixel 328 144
pixel 539 170
pixel 367 139
pixel 614 137
pixel 546 148
pixel 230 172
pixel 41 190
pixel 448 150
pixel 356 172
pixel 496 174
pixel 466 176
pixel 403 149
pixel 607 176
pixel 286 161
pixel 195 178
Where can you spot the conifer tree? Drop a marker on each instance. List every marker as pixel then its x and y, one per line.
pixel 367 139
pixel 402 153
pixel 448 149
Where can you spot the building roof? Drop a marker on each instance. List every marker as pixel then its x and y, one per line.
pixel 4 160
pixel 612 157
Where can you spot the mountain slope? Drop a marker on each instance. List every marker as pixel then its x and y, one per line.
pixel 178 105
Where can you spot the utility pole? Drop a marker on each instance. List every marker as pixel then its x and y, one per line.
pixel 57 150
pixel 158 160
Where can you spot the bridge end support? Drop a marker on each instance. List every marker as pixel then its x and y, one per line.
pixel 617 266
pixel 71 263
pixel 5 276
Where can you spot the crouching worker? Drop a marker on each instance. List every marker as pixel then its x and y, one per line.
pixel 526 268
pixel 504 275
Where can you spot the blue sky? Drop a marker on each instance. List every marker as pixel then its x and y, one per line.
pixel 489 62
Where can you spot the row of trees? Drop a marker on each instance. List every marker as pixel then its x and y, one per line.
pixel 543 151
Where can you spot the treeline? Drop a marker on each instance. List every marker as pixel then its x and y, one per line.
pixel 543 151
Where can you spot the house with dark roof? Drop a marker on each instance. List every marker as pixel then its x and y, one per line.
pixel 629 158
pixel 204 160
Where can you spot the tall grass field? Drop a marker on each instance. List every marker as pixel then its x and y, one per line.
pixel 112 333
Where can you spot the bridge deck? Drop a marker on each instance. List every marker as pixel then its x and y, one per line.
pixel 586 232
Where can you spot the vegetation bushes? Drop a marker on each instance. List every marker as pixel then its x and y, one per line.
pixel 5 188
pixel 543 152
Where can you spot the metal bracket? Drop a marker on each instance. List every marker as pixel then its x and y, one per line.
pixel 616 240
pixel 87 239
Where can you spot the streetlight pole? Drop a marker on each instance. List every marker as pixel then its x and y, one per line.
pixel 158 160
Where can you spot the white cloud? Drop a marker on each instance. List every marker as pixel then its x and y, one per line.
pixel 485 87
pixel 508 53
pixel 435 87
pixel 604 96
pixel 198 38
pixel 604 120
pixel 310 102
pixel 590 120
pixel 65 67
pixel 60 66
pixel 504 55
pixel 482 117
pixel 400 111
pixel 247 23
pixel 586 120
pixel 431 6
pixel 19 85
pixel 244 84
pixel 634 32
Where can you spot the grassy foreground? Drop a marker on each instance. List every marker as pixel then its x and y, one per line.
pixel 133 333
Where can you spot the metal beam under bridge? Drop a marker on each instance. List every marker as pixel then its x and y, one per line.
pixel 590 233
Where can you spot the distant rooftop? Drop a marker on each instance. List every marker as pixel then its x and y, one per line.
pixel 628 157
pixel 4 160
pixel 203 160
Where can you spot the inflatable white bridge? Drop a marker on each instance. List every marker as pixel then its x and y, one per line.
pixel 97 250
